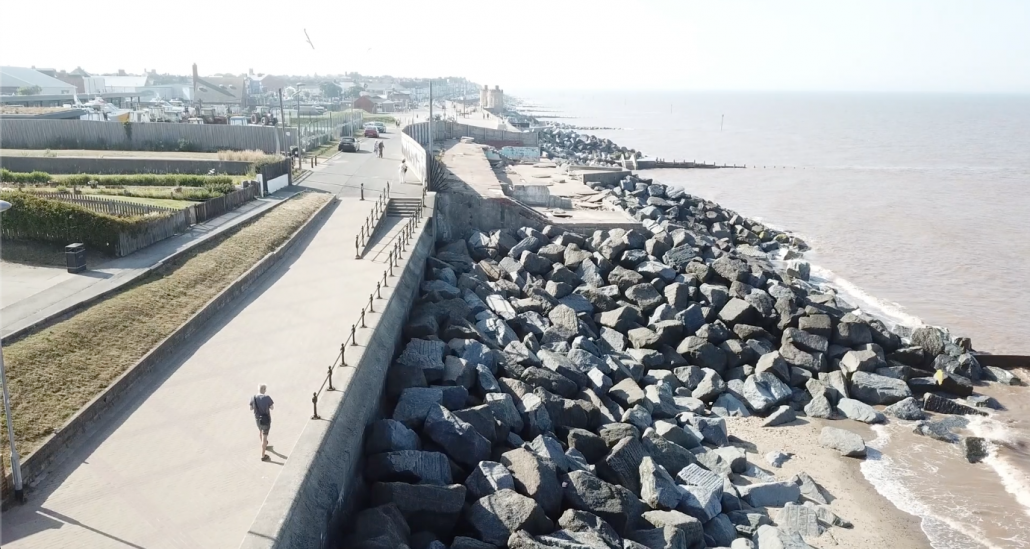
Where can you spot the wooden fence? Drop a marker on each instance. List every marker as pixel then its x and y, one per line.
pixel 225 203
pixel 154 231
pixel 180 220
pixel 104 205
pixel 151 136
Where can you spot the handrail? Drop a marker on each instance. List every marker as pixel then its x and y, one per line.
pixel 393 260
pixel 372 221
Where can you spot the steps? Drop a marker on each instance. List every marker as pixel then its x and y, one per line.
pixel 402 207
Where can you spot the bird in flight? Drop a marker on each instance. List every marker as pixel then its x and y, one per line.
pixel 308 38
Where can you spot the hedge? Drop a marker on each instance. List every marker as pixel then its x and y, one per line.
pixel 146 180
pixel 35 218
pixel 137 180
pixel 7 176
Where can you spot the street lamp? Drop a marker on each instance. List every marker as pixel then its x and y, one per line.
pixel 19 492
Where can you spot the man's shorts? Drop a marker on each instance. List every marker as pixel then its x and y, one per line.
pixel 263 427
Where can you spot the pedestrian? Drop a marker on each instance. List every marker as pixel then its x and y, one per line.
pixel 261 404
pixel 403 169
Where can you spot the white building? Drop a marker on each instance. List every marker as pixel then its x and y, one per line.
pixel 114 84
pixel 13 79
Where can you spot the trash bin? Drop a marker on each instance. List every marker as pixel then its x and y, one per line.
pixel 75 255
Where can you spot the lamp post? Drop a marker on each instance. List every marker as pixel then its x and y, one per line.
pixel 19 492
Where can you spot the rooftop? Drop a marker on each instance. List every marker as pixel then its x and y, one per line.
pixel 21 77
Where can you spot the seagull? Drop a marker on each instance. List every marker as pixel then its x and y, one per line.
pixel 309 38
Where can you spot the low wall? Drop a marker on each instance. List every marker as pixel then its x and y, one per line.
pixel 152 136
pixel 606 176
pixel 278 183
pixel 540 195
pixel 308 505
pixel 153 362
pixel 415 154
pixel 76 165
pixel 445 129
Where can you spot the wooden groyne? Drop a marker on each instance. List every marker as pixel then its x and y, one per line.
pixel 681 164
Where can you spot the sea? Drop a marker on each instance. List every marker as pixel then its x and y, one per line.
pixel 917 208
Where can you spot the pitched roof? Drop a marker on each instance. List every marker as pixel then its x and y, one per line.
pixel 230 90
pixel 21 77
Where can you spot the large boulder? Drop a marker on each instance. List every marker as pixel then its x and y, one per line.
pixel 614 504
pixel 459 439
pixel 499 515
pixel 424 506
pixel 763 391
pixel 534 479
pixel 488 477
pixel 409 466
pixel 847 443
pixel 876 389
pixel 859 411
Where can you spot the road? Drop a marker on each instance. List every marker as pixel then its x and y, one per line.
pixel 176 466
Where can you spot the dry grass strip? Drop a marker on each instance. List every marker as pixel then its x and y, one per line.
pixel 53 373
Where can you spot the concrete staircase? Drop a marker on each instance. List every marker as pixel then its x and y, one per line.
pixel 402 207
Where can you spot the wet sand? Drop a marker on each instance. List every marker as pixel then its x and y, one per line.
pixel 877 522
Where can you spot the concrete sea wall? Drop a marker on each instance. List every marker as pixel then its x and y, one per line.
pixel 308 504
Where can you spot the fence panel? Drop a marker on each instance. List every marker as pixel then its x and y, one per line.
pixel 151 136
pixel 155 231
pixel 106 205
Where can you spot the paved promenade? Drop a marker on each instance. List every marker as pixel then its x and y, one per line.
pixel 178 465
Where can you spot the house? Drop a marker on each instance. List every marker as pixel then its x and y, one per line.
pixel 13 79
pixel 365 103
pixel 76 78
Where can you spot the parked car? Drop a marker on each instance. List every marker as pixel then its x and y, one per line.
pixel 348 144
pixel 371 131
pixel 380 126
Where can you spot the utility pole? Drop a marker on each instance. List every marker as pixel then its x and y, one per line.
pixel 429 155
pixel 282 122
pixel 19 491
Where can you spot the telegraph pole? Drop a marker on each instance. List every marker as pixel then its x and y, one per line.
pixel 282 122
pixel 429 156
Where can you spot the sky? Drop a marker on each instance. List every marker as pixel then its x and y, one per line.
pixel 966 46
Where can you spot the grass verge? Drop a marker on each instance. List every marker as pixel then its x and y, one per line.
pixel 55 372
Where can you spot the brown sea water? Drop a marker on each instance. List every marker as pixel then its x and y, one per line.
pixel 917 208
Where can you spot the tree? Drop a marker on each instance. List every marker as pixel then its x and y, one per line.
pixel 30 90
pixel 331 90
pixel 354 92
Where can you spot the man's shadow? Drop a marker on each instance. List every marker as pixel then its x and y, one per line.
pixel 270 450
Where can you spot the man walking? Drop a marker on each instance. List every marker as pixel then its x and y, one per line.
pixel 261 405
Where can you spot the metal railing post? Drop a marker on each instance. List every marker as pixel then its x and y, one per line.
pixel 371 309
pixel 343 354
pixel 362 191
pixel 379 294
pixel 329 376
pixel 353 336
pixel 314 406
pixel 391 263
pixel 363 317
pixel 357 248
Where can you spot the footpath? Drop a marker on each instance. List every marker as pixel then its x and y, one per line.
pixel 33 294
pixel 176 465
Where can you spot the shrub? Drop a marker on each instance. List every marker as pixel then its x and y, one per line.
pixel 7 176
pixel 147 180
pixel 35 218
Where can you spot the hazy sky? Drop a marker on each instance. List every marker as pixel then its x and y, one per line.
pixel 846 45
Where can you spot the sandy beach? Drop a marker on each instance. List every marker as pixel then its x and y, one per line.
pixel 877 522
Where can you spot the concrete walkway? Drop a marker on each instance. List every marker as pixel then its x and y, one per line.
pixel 31 294
pixel 176 466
